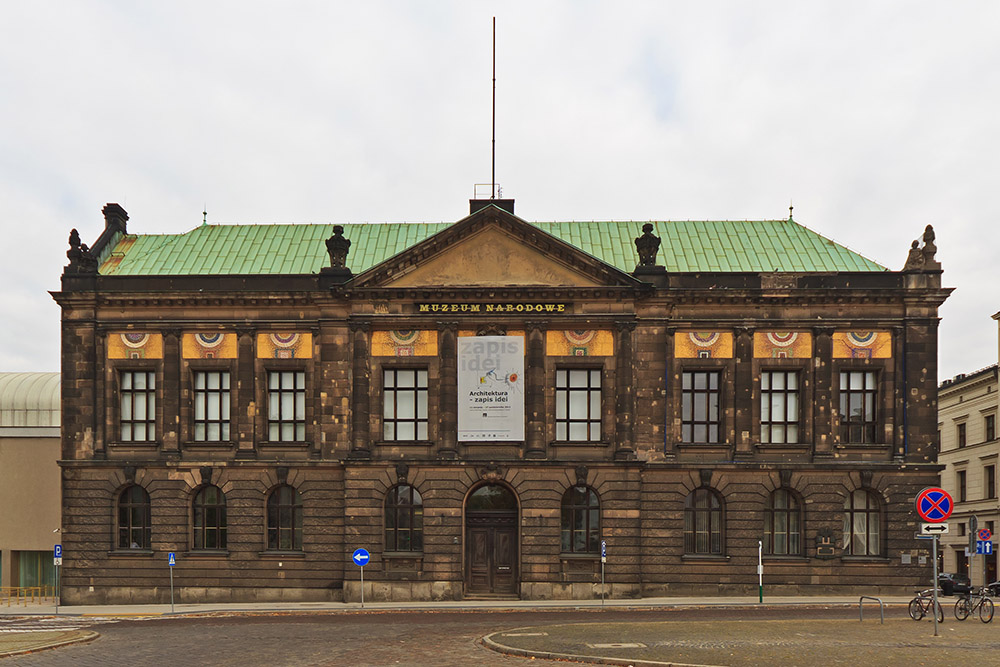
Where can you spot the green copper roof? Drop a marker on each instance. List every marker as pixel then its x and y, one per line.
pixel 752 246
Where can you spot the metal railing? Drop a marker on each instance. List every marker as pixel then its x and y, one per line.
pixel 861 607
pixel 25 595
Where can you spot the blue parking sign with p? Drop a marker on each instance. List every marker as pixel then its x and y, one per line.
pixel 57 551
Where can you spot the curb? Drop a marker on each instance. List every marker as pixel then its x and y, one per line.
pixel 503 649
pixel 84 636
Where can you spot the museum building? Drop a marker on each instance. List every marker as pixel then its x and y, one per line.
pixel 482 405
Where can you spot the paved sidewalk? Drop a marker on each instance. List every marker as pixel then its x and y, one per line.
pixel 47 609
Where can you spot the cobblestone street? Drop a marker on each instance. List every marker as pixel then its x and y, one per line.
pixel 705 635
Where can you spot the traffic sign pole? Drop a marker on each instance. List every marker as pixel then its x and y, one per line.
pixel 360 558
pixel 935 608
pixel 604 559
pixel 171 562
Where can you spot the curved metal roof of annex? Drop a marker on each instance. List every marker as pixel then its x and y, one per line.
pixel 29 399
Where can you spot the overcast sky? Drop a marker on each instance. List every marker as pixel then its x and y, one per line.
pixel 874 118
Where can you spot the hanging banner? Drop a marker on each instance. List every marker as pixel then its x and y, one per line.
pixel 490 388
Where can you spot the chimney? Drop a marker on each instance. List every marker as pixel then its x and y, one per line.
pixel 115 218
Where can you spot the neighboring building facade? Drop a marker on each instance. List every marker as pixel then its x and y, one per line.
pixel 967 423
pixel 481 404
pixel 29 478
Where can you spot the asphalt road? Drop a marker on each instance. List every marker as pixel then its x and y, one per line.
pixel 356 639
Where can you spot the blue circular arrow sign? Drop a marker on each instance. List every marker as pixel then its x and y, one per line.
pixel 934 505
pixel 361 557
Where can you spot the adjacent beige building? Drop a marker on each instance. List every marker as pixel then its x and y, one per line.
pixel 967 424
pixel 29 477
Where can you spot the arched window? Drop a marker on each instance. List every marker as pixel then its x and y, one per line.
pixel 209 518
pixel 404 519
pixel 581 520
pixel 284 519
pixel 862 524
pixel 703 533
pixel 783 524
pixel 134 522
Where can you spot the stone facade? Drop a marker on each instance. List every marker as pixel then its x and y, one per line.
pixel 647 335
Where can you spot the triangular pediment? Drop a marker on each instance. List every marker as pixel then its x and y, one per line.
pixel 492 248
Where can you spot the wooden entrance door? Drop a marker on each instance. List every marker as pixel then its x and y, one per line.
pixel 491 541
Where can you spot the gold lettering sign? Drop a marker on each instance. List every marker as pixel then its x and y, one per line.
pixel 862 345
pixel 492 308
pixel 135 345
pixel 703 345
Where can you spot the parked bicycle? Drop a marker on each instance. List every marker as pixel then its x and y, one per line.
pixel 920 606
pixel 973 602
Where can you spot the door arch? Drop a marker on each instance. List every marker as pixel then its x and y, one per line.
pixel 491 545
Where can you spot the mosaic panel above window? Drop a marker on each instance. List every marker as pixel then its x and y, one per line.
pixel 703 345
pixel 404 343
pixel 579 343
pixel 209 345
pixel 284 345
pixel 862 345
pixel 782 345
pixel 135 345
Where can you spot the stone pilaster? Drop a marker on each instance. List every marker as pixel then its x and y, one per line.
pixel 624 393
pixel 535 446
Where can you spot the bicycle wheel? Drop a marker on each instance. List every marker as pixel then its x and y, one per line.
pixel 986 610
pixel 916 610
pixel 940 613
pixel 962 608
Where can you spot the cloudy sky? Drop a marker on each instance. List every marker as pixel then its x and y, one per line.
pixel 874 118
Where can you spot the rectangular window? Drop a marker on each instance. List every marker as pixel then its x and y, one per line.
pixel 961 529
pixel 578 404
pixel 961 486
pixel 991 428
pixel 211 406
pixel 779 407
pixel 700 406
pixel 990 481
pixel 961 435
pixel 137 406
pixel 404 404
pixel 286 406
pixel 858 407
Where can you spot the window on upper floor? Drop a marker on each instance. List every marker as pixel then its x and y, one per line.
pixel 962 488
pixel 961 529
pixel 990 481
pixel 134 518
pixel 404 404
pixel 286 406
pixel 961 435
pixel 858 407
pixel 581 520
pixel 211 406
pixel 990 427
pixel 779 407
pixel 404 519
pixel 137 406
pixel 700 406
pixel 209 519
pixel 862 524
pixel 578 404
